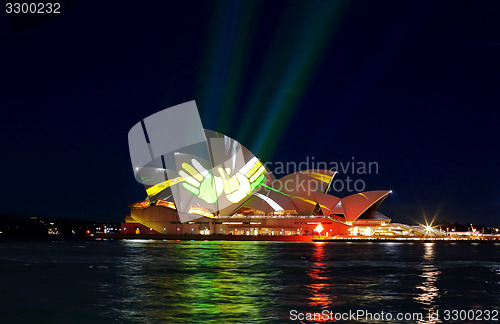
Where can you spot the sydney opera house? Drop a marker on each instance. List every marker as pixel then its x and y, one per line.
pixel 214 185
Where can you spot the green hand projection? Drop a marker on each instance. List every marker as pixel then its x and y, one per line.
pixel 200 182
pixel 208 188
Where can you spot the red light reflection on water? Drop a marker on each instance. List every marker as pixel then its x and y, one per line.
pixel 319 295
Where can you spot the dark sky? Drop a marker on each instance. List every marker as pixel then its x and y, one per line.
pixel 411 85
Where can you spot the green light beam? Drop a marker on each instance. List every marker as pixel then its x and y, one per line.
pixel 269 73
pixel 221 80
pixel 321 22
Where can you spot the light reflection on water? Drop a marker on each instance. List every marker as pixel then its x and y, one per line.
pixel 232 282
pixel 428 290
pixel 319 296
pixel 202 281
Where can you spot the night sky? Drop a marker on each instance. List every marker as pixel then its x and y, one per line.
pixel 411 85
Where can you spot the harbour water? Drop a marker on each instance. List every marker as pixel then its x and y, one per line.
pixel 147 281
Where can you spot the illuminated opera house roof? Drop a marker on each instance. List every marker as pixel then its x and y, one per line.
pixel 190 173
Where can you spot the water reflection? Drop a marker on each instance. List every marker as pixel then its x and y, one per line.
pixel 212 282
pixel 197 282
pixel 391 249
pixel 319 288
pixel 428 293
pixel 239 282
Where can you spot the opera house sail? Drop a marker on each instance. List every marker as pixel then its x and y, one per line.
pixel 199 181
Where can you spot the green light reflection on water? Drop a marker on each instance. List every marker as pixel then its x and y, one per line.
pixel 197 281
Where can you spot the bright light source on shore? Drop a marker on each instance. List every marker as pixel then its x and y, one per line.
pixel 319 229
pixel 428 228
